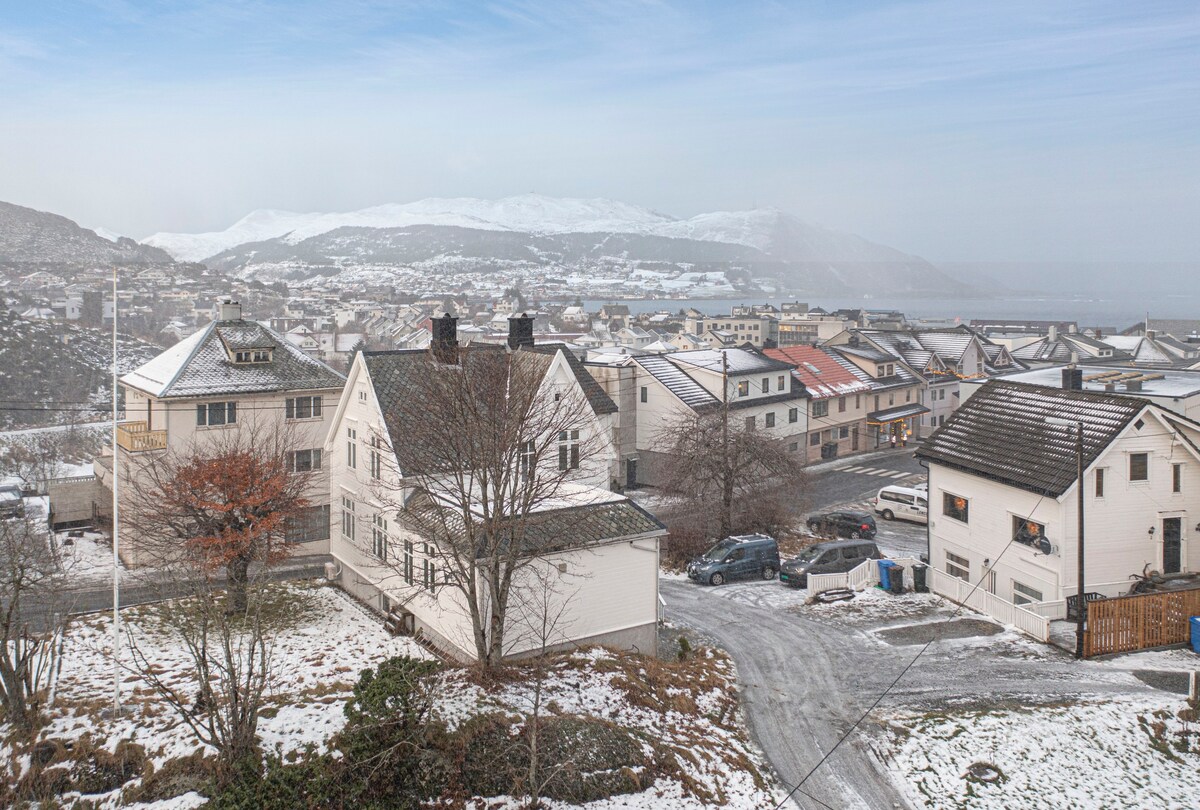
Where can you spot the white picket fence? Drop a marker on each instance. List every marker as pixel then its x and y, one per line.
pixel 864 575
pixel 964 593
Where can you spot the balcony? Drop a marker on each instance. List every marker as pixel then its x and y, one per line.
pixel 134 437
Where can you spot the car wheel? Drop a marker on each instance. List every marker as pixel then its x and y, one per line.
pixel 768 572
pixel 888 514
pixel 813 526
pixel 716 579
pixel 855 535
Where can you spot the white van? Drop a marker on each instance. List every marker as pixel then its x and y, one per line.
pixel 902 503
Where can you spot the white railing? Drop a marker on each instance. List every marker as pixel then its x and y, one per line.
pixel 819 583
pixel 1003 611
pixel 662 609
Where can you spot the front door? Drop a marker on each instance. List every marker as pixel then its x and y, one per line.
pixel 1172 537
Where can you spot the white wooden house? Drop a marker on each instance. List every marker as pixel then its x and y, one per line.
pixel 600 550
pixel 1004 494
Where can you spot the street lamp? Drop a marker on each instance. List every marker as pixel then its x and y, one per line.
pixel 1080 608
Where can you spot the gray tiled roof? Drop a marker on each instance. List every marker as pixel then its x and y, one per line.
pixel 740 361
pixel 1002 433
pixel 200 365
pixel 690 392
pixel 581 526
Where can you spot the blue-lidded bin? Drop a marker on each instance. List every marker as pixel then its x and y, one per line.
pixel 1195 623
pixel 885 579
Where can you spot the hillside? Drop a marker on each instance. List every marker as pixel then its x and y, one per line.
pixel 533 233
pixel 29 237
pixel 53 366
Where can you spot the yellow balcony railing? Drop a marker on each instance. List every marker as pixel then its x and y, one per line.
pixel 136 438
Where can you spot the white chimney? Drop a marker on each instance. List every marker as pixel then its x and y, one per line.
pixel 1052 335
pixel 231 310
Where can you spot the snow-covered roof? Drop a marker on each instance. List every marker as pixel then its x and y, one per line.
pixel 200 365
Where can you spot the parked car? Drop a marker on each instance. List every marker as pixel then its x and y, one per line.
pixel 742 556
pixel 832 557
pixel 843 524
pixel 902 503
pixel 11 503
pixel 922 487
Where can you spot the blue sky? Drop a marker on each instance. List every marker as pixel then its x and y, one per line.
pixel 958 130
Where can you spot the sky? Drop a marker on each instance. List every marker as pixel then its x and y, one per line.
pixel 961 131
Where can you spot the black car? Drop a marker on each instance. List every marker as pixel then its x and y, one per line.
pixel 11 503
pixel 854 525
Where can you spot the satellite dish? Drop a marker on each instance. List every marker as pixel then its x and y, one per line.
pixel 1045 547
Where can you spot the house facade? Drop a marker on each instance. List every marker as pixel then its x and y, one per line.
pixel 840 398
pixel 1004 493
pixel 231 375
pixel 601 550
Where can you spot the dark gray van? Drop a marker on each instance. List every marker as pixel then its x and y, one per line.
pixel 833 557
pixel 741 556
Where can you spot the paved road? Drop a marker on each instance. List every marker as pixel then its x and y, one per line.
pixel 808 673
pixel 855 478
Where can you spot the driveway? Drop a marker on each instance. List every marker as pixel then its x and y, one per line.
pixel 808 672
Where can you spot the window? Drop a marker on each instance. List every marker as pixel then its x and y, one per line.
pixel 252 356
pixel 1100 482
pixel 427 573
pixel 216 413
pixel 303 407
pixel 351 448
pixel 527 458
pixel 744 388
pixel 793 414
pixel 568 450
pixel 844 432
pixel 645 393
pixel 908 395
pixel 308 525
pixel 1177 478
pixel 1024 595
pixel 1139 466
pixel 766 385
pixel 304 460
pixel 347 518
pixel 841 404
pixel 379 538
pixel 955 506
pixel 957 566
pixel 814 439
pixel 375 457
pixel 820 408
pixel 770 419
pixel 857 402
pixel 362 397
pixel 794 446
pixel 877 402
pixel 942 395
pixel 880 371
pixel 1028 532
pixel 749 423
pixel 408 562
pixel 782 381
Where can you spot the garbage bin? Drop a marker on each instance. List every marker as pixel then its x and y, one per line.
pixel 1194 621
pixel 896 579
pixel 919 574
pixel 885 566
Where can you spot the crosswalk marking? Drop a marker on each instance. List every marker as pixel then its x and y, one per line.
pixel 899 475
pixel 854 469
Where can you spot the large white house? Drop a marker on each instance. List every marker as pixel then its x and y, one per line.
pixel 598 549
pixel 1004 493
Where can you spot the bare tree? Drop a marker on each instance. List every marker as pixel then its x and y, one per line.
pixel 31 620
pixel 718 462
pixel 490 444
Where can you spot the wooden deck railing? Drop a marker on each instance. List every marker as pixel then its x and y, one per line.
pixel 135 437
pixel 1128 623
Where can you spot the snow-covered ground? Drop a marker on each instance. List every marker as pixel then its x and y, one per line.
pixel 331 639
pixel 1092 754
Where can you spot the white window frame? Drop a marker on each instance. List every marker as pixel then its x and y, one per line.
pixel 348 517
pixel 568 450
pixel 352 448
pixel 1022 594
pixel 958 566
pixel 379 536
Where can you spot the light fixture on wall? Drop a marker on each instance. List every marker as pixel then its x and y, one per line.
pixel 1151 532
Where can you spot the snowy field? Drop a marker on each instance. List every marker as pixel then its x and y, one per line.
pixel 1089 755
pixel 690 709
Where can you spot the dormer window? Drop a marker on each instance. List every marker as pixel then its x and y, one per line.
pixel 252 356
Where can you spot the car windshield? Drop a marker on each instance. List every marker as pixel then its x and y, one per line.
pixel 719 551
pixel 808 555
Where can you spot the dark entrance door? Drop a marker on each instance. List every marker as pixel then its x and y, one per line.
pixel 630 473
pixel 1172 533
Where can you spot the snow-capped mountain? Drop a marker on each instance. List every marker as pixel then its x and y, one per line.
pixel 538 233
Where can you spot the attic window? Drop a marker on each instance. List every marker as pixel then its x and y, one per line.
pixel 1139 424
pixel 253 356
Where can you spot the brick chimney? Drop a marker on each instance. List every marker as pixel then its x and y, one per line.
pixel 231 310
pixel 444 343
pixel 1072 378
pixel 520 332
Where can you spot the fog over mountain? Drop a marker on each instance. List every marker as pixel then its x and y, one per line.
pixel 37 237
pixel 468 234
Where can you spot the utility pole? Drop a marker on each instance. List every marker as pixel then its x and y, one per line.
pixel 116 632
pixel 726 473
pixel 1081 609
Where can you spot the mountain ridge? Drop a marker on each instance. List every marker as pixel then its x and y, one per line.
pixel 32 237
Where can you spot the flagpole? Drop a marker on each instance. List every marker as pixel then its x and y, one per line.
pixel 116 633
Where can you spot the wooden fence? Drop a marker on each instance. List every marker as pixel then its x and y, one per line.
pixel 1129 623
